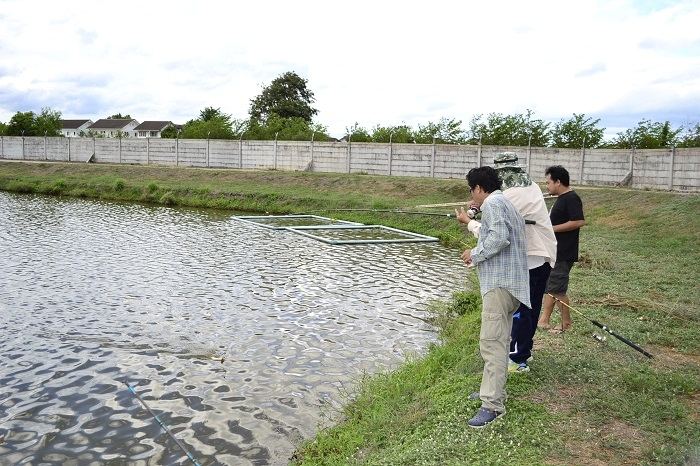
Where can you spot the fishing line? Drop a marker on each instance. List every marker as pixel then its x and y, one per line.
pixel 178 442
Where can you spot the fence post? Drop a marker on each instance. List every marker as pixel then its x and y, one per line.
pixel 432 161
pixel 391 152
pixel 2 146
pixel 94 149
pixel 148 150
pixel 631 183
pixel 22 145
pixel 177 149
pixel 240 151
pixel 68 148
pixel 583 156
pixel 529 154
pixel 478 154
pixel 46 157
pixel 208 132
pixel 311 149
pixel 670 170
pixel 120 149
pixel 349 153
pixel 275 158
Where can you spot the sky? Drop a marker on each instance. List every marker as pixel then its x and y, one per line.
pixel 367 62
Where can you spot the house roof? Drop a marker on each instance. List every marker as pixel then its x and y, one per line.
pixel 73 124
pixel 109 123
pixel 153 125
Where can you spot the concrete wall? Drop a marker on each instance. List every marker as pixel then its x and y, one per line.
pixel 667 169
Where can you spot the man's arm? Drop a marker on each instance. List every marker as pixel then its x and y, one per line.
pixel 569 226
pixel 493 238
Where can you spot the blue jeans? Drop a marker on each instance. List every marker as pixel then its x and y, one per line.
pixel 525 319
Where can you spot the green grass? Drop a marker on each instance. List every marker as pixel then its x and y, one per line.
pixel 584 402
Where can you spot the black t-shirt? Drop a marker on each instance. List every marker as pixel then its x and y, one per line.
pixel 568 206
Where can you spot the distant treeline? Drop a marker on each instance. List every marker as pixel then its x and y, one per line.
pixel 284 111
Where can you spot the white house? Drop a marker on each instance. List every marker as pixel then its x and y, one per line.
pixel 114 127
pixel 73 128
pixel 151 129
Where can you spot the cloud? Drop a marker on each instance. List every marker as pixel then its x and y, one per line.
pixel 374 62
pixel 592 70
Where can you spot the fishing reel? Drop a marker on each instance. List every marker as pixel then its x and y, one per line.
pixel 472 212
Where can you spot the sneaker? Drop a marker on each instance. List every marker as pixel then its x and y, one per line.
pixel 518 366
pixel 483 417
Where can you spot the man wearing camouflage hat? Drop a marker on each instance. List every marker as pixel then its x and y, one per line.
pixel 527 198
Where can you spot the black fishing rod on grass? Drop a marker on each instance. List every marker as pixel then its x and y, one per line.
pixel 605 328
pixel 178 442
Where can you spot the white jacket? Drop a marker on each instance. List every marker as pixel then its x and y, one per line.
pixel 529 201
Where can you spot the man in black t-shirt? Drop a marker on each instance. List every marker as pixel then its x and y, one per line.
pixel 567 220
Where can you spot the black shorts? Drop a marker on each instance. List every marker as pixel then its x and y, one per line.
pixel 558 281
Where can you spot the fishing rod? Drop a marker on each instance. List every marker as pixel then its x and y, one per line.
pixel 397 211
pixel 392 211
pixel 178 442
pixel 604 328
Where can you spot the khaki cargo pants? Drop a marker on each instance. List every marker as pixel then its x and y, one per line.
pixel 494 344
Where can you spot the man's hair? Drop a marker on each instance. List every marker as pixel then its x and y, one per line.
pixel 558 173
pixel 486 177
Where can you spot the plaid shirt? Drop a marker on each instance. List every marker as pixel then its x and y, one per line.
pixel 501 251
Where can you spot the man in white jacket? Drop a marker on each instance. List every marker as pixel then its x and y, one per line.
pixel 527 198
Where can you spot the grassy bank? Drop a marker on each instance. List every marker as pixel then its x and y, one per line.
pixel 584 402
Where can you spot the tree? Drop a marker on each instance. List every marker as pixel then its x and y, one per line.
pixel 577 132
pixel 48 123
pixel 213 124
pixel 287 129
pixel 647 135
pixel 399 134
pixel 445 131
pixel 509 130
pixel 211 113
pixel 287 96
pixel 119 116
pixel 690 137
pixel 357 133
pixel 169 132
pixel 21 123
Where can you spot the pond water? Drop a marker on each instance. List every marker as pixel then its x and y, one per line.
pixel 243 340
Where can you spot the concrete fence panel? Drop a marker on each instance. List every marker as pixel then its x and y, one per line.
pixel 412 159
pixel 192 153
pixel 223 153
pixel 651 169
pixel 81 149
pixel 329 157
pixel 106 150
pixel 372 159
pixel 162 151
pixel 12 147
pixel 134 151
pixel 293 155
pixel 686 170
pixel 259 155
pixel 57 149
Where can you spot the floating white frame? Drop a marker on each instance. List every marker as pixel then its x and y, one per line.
pixel 413 237
pixel 249 219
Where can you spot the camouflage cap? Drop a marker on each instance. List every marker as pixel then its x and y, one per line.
pixel 511 174
pixel 506 160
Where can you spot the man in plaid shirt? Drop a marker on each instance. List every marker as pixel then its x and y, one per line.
pixel 500 257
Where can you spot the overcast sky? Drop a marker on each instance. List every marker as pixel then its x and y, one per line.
pixel 371 62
